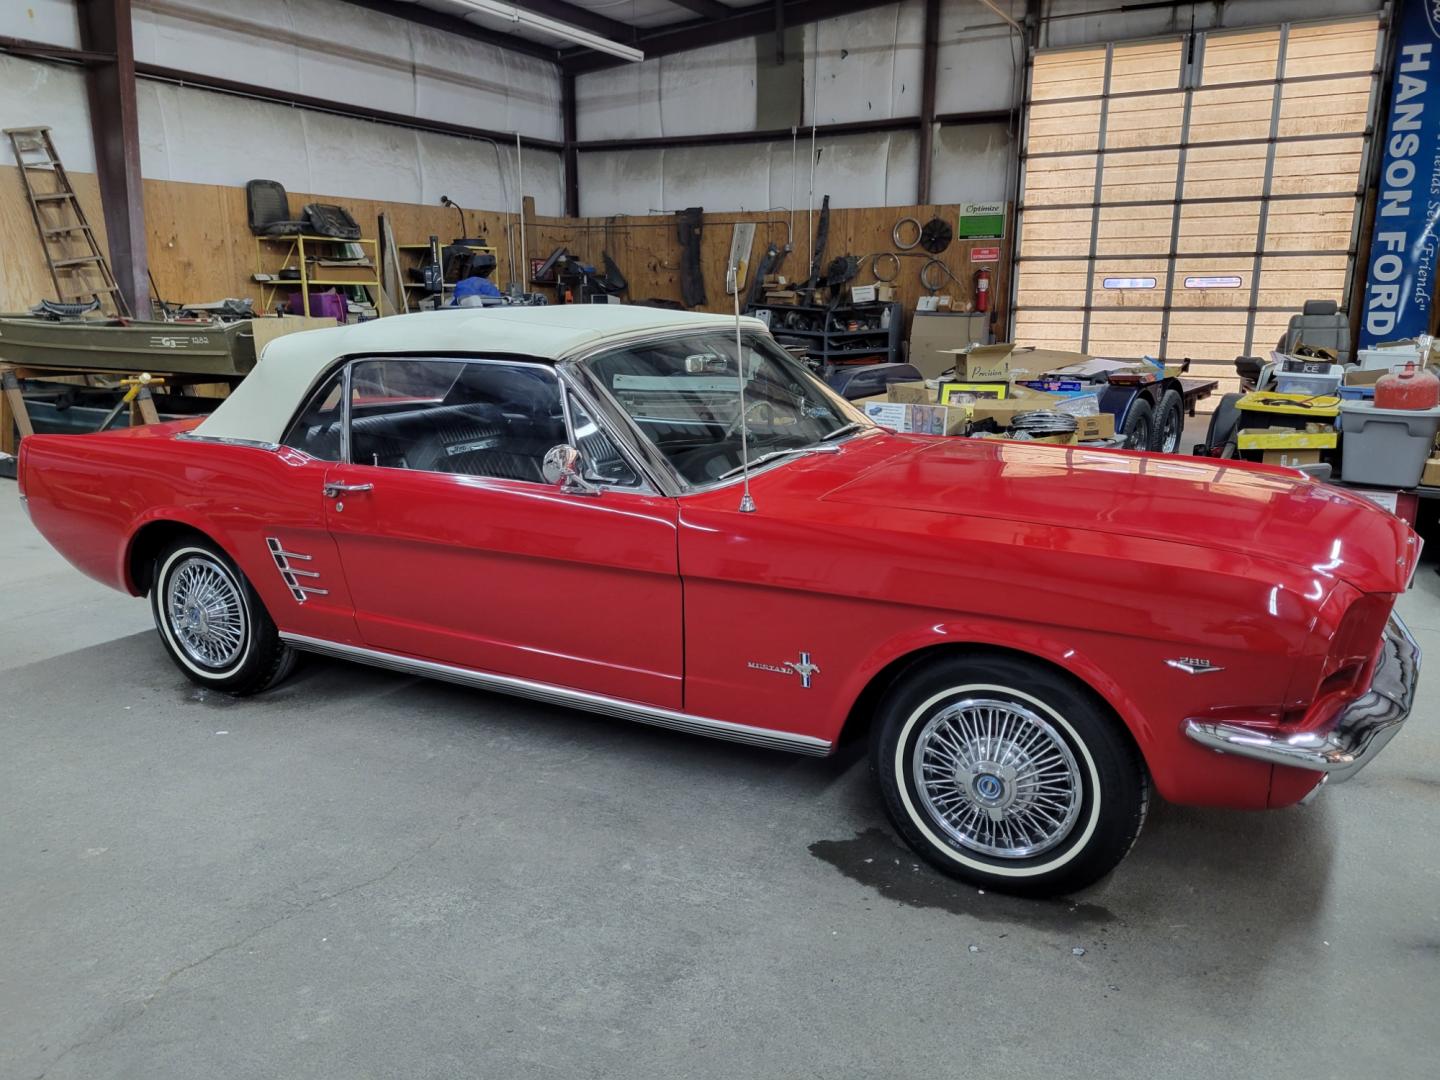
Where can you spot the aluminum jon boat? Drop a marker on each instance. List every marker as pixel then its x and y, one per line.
pixel 213 350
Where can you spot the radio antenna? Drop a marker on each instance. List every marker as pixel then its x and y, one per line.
pixel 732 282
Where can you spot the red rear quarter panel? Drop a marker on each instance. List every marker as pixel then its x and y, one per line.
pixel 89 495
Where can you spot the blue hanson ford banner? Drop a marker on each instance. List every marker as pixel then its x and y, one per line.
pixel 1402 255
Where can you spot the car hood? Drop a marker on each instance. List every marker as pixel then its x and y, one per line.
pixel 1254 510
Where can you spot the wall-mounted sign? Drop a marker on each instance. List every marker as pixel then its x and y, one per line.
pixel 985 254
pixel 981 220
pixel 1227 281
pixel 1128 282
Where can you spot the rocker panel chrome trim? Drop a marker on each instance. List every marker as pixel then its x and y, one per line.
pixel 560 695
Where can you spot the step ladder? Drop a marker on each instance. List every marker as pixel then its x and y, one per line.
pixel 77 265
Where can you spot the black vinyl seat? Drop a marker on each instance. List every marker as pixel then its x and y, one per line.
pixel 268 207
pixel 473 440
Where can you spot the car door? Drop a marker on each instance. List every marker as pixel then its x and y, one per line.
pixel 456 548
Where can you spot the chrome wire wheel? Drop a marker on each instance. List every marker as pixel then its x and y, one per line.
pixel 205 612
pixel 997 778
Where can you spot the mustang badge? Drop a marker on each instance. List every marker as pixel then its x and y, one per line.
pixel 802 667
pixel 1194 665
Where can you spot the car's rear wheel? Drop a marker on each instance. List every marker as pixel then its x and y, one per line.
pixel 212 622
pixel 1004 773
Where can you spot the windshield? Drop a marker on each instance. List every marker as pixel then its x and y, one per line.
pixel 684 395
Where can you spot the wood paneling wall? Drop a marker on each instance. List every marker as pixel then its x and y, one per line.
pixel 647 250
pixel 201 248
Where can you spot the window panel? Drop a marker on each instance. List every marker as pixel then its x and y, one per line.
pixel 1207 335
pixel 1310 225
pixel 1051 284
pixel 1238 112
pixel 1202 283
pixel 1247 57
pixel 1129 283
pixel 1146 174
pixel 1049 329
pixel 1317 166
pixel 1151 65
pixel 1287 281
pixel 1055 232
pixel 1218 227
pixel 1125 334
pixel 1213 172
pixel 1134 230
pixel 1152 120
pixel 1325 107
pixel 1063 126
pixel 1331 48
pixel 1070 73
pixel 1060 180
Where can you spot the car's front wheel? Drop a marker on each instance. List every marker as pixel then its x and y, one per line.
pixel 1006 774
pixel 212 622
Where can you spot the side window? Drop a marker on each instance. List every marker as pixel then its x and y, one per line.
pixel 453 416
pixel 317 429
pixel 603 461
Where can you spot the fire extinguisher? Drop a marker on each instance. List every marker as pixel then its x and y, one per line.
pixel 982 290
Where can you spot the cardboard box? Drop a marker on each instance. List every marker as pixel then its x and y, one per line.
pixel 916 419
pixel 910 393
pixel 1431 476
pixel 983 363
pixel 931 332
pixel 1001 411
pixel 1099 426
pixel 1291 458
pixel 862 294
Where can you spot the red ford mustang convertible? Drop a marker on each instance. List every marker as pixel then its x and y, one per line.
pixel 550 502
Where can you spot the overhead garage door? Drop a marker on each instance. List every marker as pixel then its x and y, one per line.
pixel 1184 197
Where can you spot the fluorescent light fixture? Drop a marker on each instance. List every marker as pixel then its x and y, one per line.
pixel 518 15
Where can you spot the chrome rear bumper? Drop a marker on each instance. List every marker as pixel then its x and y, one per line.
pixel 1360 731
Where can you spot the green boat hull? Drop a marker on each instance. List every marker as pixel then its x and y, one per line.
pixel 215 351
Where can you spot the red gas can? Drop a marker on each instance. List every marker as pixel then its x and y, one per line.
pixel 1413 388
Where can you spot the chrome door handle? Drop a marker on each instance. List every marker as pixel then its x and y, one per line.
pixel 333 490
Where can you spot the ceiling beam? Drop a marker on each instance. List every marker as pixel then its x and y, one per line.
pixel 452 24
pixel 746 22
pixel 706 9
pixel 583 18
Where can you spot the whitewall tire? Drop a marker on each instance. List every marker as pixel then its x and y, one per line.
pixel 1007 774
pixel 211 621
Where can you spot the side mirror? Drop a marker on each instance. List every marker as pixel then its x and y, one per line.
pixel 563 468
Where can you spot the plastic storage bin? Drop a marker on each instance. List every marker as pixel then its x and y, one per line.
pixel 1386 447
pixel 1294 382
pixel 1387 358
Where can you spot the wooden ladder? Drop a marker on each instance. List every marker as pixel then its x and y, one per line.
pixel 78 267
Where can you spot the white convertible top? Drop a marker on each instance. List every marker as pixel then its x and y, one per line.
pixel 263 404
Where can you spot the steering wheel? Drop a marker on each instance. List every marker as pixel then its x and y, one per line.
pixel 753 420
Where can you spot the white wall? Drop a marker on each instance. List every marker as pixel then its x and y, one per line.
pixel 319 48
pixel 50 21
pixel 208 138
pixel 855 170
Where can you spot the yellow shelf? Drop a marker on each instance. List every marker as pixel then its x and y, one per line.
pixel 296 258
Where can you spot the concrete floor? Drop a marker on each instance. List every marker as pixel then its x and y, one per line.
pixel 365 875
